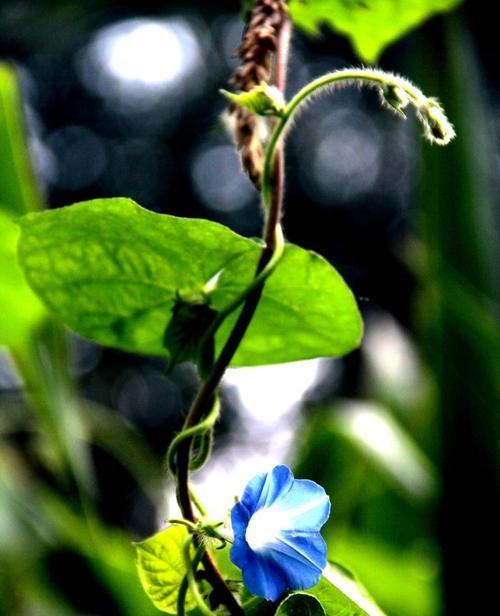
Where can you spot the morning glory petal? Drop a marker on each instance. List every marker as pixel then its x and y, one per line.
pixel 300 573
pixel 277 543
pixel 306 548
pixel 306 504
pixel 253 492
pixel 277 484
pixel 261 576
pixel 264 578
pixel 240 516
pixel 241 555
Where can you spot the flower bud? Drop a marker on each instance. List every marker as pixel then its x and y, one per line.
pixel 437 127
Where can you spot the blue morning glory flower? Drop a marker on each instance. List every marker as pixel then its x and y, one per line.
pixel 276 524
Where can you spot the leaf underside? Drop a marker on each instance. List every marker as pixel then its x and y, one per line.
pixel 371 25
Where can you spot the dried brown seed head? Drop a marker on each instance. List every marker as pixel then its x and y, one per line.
pixel 260 41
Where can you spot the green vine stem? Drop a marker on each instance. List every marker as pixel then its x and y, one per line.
pixel 259 279
pixel 204 402
pixel 189 580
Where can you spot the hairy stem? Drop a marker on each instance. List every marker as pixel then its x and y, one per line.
pixel 423 105
pixel 206 395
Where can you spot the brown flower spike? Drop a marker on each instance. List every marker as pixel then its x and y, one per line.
pixel 260 41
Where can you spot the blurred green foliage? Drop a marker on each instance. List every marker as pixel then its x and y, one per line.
pixel 382 487
pixel 21 309
pixel 18 190
pixel 371 25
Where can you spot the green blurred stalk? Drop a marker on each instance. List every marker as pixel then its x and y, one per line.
pixel 19 191
pixel 459 315
pixel 43 364
pixel 41 355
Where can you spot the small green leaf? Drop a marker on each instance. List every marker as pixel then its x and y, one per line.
pixel 20 309
pixel 370 24
pixel 112 271
pixel 18 190
pixel 161 568
pixel 184 336
pixel 300 604
pixel 262 99
pixel 340 593
pixel 306 310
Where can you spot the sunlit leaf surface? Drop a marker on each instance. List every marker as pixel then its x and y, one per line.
pixel 161 568
pixel 113 272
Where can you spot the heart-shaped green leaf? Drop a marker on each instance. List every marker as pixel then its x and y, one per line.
pixel 116 273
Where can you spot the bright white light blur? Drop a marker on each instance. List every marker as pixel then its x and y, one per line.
pixel 373 429
pixel 393 361
pixel 381 437
pixel 269 392
pixel 146 51
pixel 141 57
pixel 344 160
